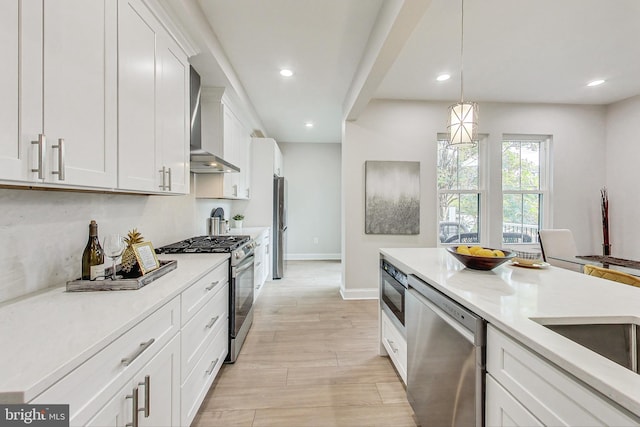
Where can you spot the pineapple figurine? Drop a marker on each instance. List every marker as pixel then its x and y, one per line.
pixel 129 262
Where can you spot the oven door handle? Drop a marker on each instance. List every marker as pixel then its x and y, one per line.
pixel 243 267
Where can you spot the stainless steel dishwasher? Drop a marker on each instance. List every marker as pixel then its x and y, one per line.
pixel 445 359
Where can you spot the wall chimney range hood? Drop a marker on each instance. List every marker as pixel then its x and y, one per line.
pixel 202 161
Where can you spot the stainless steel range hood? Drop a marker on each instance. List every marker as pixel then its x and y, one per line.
pixel 202 161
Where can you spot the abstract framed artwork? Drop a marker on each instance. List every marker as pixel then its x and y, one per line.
pixel 392 197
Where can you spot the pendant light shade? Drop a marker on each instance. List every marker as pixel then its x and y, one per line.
pixel 463 124
pixel 463 117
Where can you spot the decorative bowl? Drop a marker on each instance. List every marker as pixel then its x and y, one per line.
pixel 481 262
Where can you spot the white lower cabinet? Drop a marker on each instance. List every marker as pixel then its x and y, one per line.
pixel 261 264
pixel 197 383
pixel 204 339
pixel 158 372
pixel 523 388
pixel 504 409
pixel 395 344
pixel 151 398
pixel 87 388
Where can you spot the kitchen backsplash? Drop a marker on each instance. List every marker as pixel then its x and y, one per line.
pixel 43 233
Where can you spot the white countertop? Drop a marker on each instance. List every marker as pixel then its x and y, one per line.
pixel 46 335
pixel 510 296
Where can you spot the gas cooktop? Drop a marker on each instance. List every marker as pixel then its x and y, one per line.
pixel 205 244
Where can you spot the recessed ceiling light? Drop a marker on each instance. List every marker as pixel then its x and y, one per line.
pixel 595 83
pixel 286 72
pixel 443 77
pixel 308 124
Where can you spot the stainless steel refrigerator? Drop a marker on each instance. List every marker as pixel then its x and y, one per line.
pixel 279 225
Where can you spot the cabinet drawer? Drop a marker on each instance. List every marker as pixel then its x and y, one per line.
pixel 550 394
pixel 199 331
pixel 197 295
pixel 200 379
pixel 86 388
pixel 395 344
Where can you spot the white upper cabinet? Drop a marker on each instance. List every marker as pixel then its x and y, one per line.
pixel 225 135
pixel 58 102
pixel 153 104
pixel 93 94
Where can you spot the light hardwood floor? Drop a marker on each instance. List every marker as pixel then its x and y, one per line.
pixel 310 359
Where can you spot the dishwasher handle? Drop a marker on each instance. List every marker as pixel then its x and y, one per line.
pixel 458 327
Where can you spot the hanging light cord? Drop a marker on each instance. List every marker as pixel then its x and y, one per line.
pixel 462 54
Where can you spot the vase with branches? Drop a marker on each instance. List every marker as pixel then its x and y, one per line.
pixel 604 207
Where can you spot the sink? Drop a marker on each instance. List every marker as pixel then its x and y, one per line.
pixel 615 340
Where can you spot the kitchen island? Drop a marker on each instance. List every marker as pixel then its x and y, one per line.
pixel 516 301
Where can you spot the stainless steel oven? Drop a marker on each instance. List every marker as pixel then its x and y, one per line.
pixel 393 286
pixel 241 249
pixel 241 298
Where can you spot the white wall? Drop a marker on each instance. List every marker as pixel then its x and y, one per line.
pixel 406 130
pixel 623 162
pixel 43 233
pixel 314 179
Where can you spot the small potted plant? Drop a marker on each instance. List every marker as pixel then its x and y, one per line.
pixel 237 218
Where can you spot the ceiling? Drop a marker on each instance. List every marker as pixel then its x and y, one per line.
pixel 345 52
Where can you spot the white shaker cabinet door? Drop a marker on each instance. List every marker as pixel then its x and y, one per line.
pixel 20 90
pixel 11 156
pixel 79 97
pixel 157 390
pixel 137 98
pixel 173 116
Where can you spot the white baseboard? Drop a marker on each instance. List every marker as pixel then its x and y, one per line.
pixel 313 257
pixel 367 293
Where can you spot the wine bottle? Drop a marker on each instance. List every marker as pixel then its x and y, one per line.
pixel 93 255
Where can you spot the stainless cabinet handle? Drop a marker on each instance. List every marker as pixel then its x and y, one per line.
pixel 213 365
pixel 235 191
pixel 60 171
pixel 393 347
pixel 169 174
pixel 147 396
pixel 163 172
pixel 42 154
pixel 212 285
pixel 134 411
pixel 212 322
pixel 143 346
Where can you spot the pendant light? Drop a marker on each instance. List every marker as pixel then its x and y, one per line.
pixel 463 117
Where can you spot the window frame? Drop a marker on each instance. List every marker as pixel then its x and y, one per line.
pixel 544 190
pixel 481 191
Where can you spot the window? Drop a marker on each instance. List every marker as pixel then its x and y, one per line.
pixel 524 187
pixel 459 193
